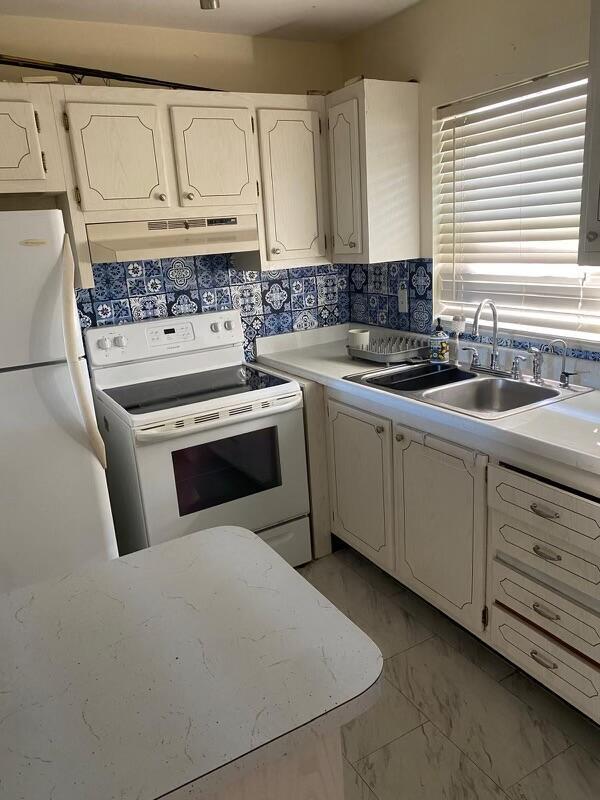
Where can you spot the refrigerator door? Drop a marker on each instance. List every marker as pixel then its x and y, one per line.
pixel 31 275
pixel 55 507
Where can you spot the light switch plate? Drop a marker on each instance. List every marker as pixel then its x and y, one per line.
pixel 403 297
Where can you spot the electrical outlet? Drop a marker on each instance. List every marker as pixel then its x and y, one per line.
pixel 403 297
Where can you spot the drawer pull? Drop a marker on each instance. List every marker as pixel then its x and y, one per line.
pixel 544 514
pixel 547 555
pixel 545 612
pixel 544 662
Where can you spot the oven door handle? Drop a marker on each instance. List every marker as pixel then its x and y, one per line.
pixel 162 434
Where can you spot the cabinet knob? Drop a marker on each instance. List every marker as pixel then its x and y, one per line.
pixel 591 236
pixel 351 244
pixel 162 196
pixel 399 437
pixel 276 251
pixel 190 195
pixel 379 428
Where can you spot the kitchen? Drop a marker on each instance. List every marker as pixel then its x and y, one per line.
pixel 249 349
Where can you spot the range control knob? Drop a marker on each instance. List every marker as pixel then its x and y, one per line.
pixel 120 340
pixel 215 327
pixel 228 325
pixel 104 343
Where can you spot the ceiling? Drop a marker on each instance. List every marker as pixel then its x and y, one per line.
pixel 313 20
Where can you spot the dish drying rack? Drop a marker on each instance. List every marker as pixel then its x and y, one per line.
pixel 392 349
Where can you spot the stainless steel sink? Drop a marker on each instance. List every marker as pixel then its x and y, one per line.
pixel 465 391
pixel 491 397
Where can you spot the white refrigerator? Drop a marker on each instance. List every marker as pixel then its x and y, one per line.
pixel 54 507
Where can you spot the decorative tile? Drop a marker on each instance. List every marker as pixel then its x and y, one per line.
pixel 276 295
pixel 359 311
pixel 223 295
pixel 237 276
pixel 377 279
pixel 358 278
pixel 148 307
pixel 143 278
pixel 110 282
pixel 420 316
pixel 327 289
pixel 179 303
pixel 208 299
pixel 397 271
pixel 179 274
pixel 420 275
pixel 87 318
pixel 328 315
pixel 304 320
pixel 278 323
pixel 302 272
pixel 113 312
pixel 248 298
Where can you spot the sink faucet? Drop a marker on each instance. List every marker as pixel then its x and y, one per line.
pixel 537 359
pixel 494 353
pixel 564 375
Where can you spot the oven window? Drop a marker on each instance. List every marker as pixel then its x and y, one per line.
pixel 218 472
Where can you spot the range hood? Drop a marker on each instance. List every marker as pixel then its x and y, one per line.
pixel 166 238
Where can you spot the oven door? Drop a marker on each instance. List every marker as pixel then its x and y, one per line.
pixel 247 472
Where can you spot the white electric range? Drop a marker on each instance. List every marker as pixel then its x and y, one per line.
pixel 196 437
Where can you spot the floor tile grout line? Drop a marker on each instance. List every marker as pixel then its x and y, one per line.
pixel 395 739
pixel 362 780
pixel 545 764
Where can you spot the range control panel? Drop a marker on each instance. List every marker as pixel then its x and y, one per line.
pixel 140 341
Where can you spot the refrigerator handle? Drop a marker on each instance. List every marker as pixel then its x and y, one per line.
pixel 72 334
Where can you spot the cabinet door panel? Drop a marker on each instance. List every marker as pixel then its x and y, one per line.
pixel 290 147
pixel 213 151
pixel 118 156
pixel 360 474
pixel 20 153
pixel 345 177
pixel 440 516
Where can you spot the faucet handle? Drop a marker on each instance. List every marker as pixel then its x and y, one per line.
pixel 515 372
pixel 474 356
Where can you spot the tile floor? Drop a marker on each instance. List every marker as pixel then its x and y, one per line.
pixel 455 721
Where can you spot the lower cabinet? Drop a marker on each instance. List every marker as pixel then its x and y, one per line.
pixel 440 515
pixel 360 470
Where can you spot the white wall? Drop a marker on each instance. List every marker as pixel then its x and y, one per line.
pixel 219 61
pixel 459 48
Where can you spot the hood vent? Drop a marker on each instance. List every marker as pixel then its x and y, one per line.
pixel 166 238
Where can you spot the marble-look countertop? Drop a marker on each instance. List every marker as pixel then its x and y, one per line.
pixel 135 677
pixel 567 432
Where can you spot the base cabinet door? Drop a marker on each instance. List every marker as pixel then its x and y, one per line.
pixel 118 156
pixel 344 167
pixel 360 463
pixel 213 153
pixel 291 164
pixel 441 523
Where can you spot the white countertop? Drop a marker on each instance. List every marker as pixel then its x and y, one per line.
pixel 137 676
pixel 567 431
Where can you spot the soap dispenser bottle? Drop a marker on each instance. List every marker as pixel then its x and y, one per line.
pixel 439 343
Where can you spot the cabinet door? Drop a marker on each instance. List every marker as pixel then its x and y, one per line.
pixel 20 152
pixel 440 523
pixel 589 226
pixel 344 158
pixel 290 148
pixel 213 152
pixel 118 156
pixel 360 481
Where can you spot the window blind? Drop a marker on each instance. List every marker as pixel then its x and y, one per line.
pixel 507 185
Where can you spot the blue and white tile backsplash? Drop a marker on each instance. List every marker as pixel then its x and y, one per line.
pixel 269 302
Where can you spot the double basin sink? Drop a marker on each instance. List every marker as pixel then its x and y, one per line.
pixel 459 389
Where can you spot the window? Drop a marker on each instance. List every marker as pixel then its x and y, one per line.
pixel 507 180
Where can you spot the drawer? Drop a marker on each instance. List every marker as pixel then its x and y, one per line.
pixel 577 626
pixel 570 676
pixel 556 512
pixel 558 559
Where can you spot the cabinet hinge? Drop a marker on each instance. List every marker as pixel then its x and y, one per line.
pixel 77 195
pixel 65 120
pixel 252 121
pixel 36 116
pixel 485 614
pixel 44 164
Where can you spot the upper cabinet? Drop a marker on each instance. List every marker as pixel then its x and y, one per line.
pixel 589 226
pixel 292 170
pixel 29 157
pixel 214 155
pixel 118 155
pixel 374 171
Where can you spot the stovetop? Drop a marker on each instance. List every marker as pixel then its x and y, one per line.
pixel 157 395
